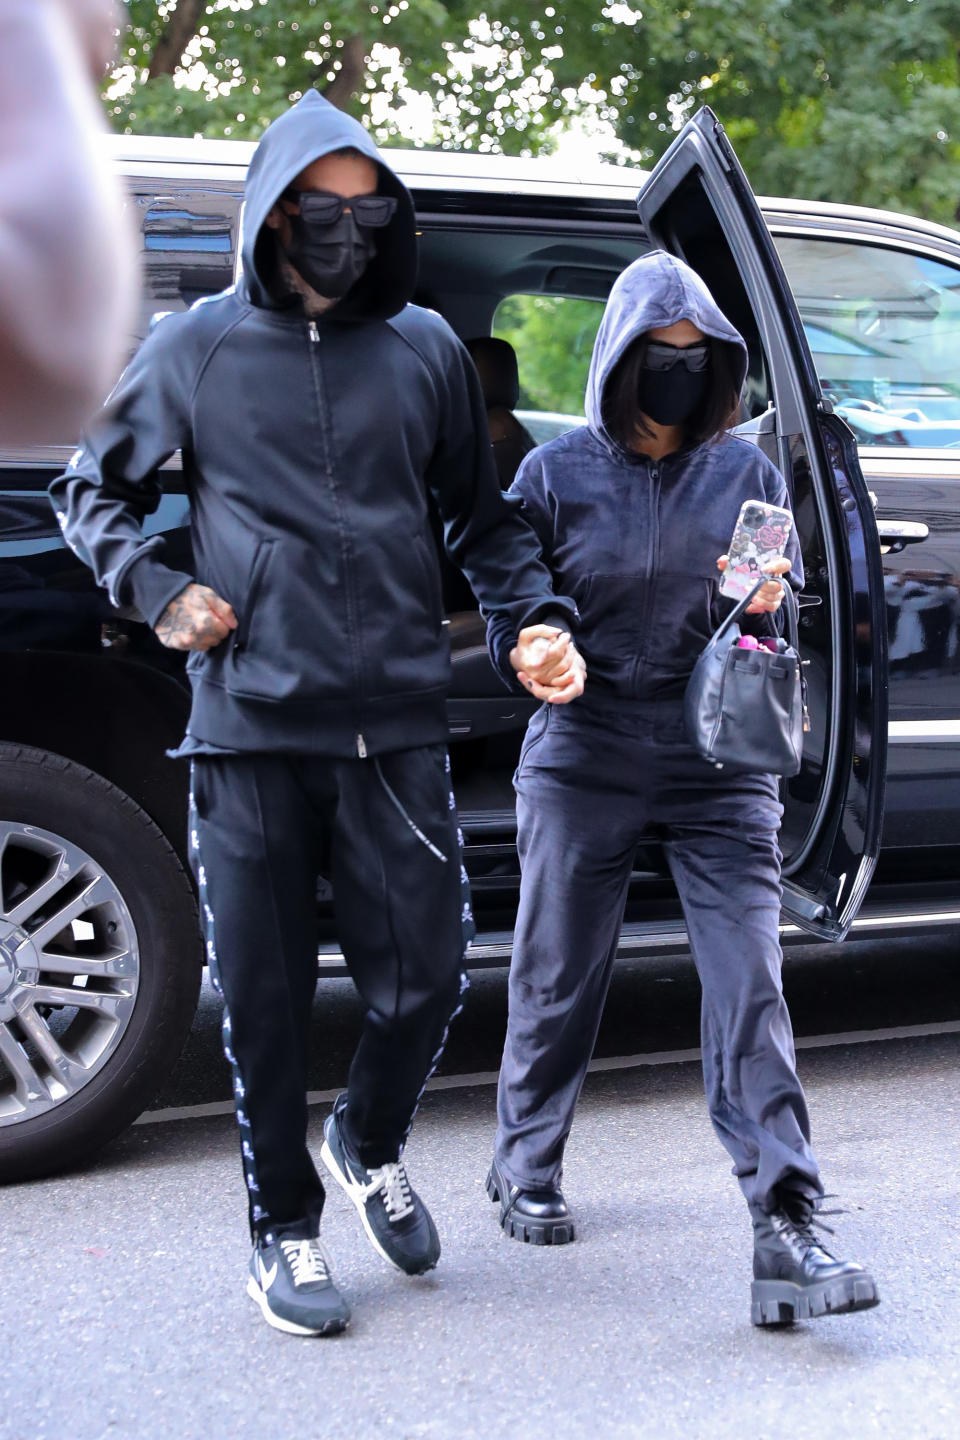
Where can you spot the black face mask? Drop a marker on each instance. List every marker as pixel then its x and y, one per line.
pixel 670 397
pixel 331 258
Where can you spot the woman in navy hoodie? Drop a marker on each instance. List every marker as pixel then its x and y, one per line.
pixel 634 512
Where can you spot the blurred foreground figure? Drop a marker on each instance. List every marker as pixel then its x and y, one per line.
pixel 66 254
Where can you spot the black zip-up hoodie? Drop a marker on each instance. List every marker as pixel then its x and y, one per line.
pixel 308 448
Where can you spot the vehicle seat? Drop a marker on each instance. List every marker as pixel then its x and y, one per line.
pixel 472 676
pixel 762 432
pixel 496 362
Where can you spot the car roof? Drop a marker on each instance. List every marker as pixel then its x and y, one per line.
pixel 420 169
pixel 174 157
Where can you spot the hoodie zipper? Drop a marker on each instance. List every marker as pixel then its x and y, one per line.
pixel 653 553
pixel 349 578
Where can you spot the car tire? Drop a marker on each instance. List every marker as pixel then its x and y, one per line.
pixel 73 1075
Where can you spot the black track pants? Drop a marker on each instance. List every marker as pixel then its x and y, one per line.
pixel 591 785
pixel 262 828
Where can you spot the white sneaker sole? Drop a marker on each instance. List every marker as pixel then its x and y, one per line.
pixel 330 1327
pixel 326 1155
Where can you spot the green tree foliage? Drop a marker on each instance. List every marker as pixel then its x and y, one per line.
pixel 855 100
pixel 852 100
pixel 553 337
pixel 229 67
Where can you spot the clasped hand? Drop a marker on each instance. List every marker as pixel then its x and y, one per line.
pixel 548 664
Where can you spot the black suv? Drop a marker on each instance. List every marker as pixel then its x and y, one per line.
pixel 854 370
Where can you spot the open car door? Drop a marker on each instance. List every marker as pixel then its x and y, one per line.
pixel 698 205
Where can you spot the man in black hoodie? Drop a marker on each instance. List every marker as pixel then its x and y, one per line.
pixel 314 407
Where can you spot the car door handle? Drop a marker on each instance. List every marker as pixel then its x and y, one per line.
pixel 895 534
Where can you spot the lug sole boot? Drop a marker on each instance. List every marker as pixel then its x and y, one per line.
pixel 537 1217
pixel 796 1278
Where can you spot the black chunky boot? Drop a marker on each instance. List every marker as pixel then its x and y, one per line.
pixel 538 1217
pixel 795 1276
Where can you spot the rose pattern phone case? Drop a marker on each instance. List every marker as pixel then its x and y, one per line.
pixel 760 536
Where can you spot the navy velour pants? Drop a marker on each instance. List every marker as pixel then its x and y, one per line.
pixel 262 828
pixel 595 779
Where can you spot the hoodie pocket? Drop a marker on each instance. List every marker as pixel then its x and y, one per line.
pixel 430 571
pixel 612 609
pixel 261 559
pixel 680 622
pixel 293 640
pixel 638 631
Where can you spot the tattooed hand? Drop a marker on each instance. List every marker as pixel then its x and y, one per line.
pixel 196 619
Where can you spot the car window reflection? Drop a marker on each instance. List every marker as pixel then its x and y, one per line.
pixel 884 328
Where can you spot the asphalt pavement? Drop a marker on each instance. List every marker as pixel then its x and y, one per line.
pixel 123 1313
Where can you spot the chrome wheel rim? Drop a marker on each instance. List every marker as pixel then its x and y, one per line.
pixel 69 970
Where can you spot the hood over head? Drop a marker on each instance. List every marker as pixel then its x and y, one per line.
pixel 655 291
pixel 310 129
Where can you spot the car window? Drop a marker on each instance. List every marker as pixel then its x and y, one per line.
pixel 188 239
pixel 884 328
pixel 553 336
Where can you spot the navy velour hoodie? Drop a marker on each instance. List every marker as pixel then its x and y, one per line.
pixel 308 448
pixel 635 541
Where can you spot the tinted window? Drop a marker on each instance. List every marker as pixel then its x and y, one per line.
pixel 188 240
pixel 884 328
pixel 553 336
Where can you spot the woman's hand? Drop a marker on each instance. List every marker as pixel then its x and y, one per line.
pixel 549 664
pixel 770 597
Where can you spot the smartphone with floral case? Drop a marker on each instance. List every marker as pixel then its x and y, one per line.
pixel 759 538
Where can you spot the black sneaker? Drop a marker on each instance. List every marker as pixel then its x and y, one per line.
pixel 291 1282
pixel 537 1217
pixel 397 1222
pixel 796 1277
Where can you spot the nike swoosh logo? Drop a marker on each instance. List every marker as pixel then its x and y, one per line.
pixel 267 1276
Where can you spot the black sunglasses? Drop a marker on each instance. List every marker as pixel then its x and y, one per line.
pixel 661 356
pixel 320 207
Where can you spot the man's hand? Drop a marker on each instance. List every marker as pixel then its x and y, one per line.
pixel 196 619
pixel 548 663
pixel 770 597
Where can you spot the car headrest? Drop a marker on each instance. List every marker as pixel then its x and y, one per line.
pixel 496 362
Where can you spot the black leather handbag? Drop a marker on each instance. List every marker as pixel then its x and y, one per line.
pixel 746 709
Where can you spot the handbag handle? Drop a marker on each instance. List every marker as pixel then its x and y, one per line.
pixel 792 610
pixel 790 606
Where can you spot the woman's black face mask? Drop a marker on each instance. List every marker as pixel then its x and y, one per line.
pixel 331 247
pixel 674 381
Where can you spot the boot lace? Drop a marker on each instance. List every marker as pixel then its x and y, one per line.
pixel 811 1227
pixel 306 1260
pixel 392 1181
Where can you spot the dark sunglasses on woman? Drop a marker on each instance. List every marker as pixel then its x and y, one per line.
pixel 660 356
pixel 320 207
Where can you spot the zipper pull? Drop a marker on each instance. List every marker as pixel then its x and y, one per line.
pixel 313 332
pixel 361 747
